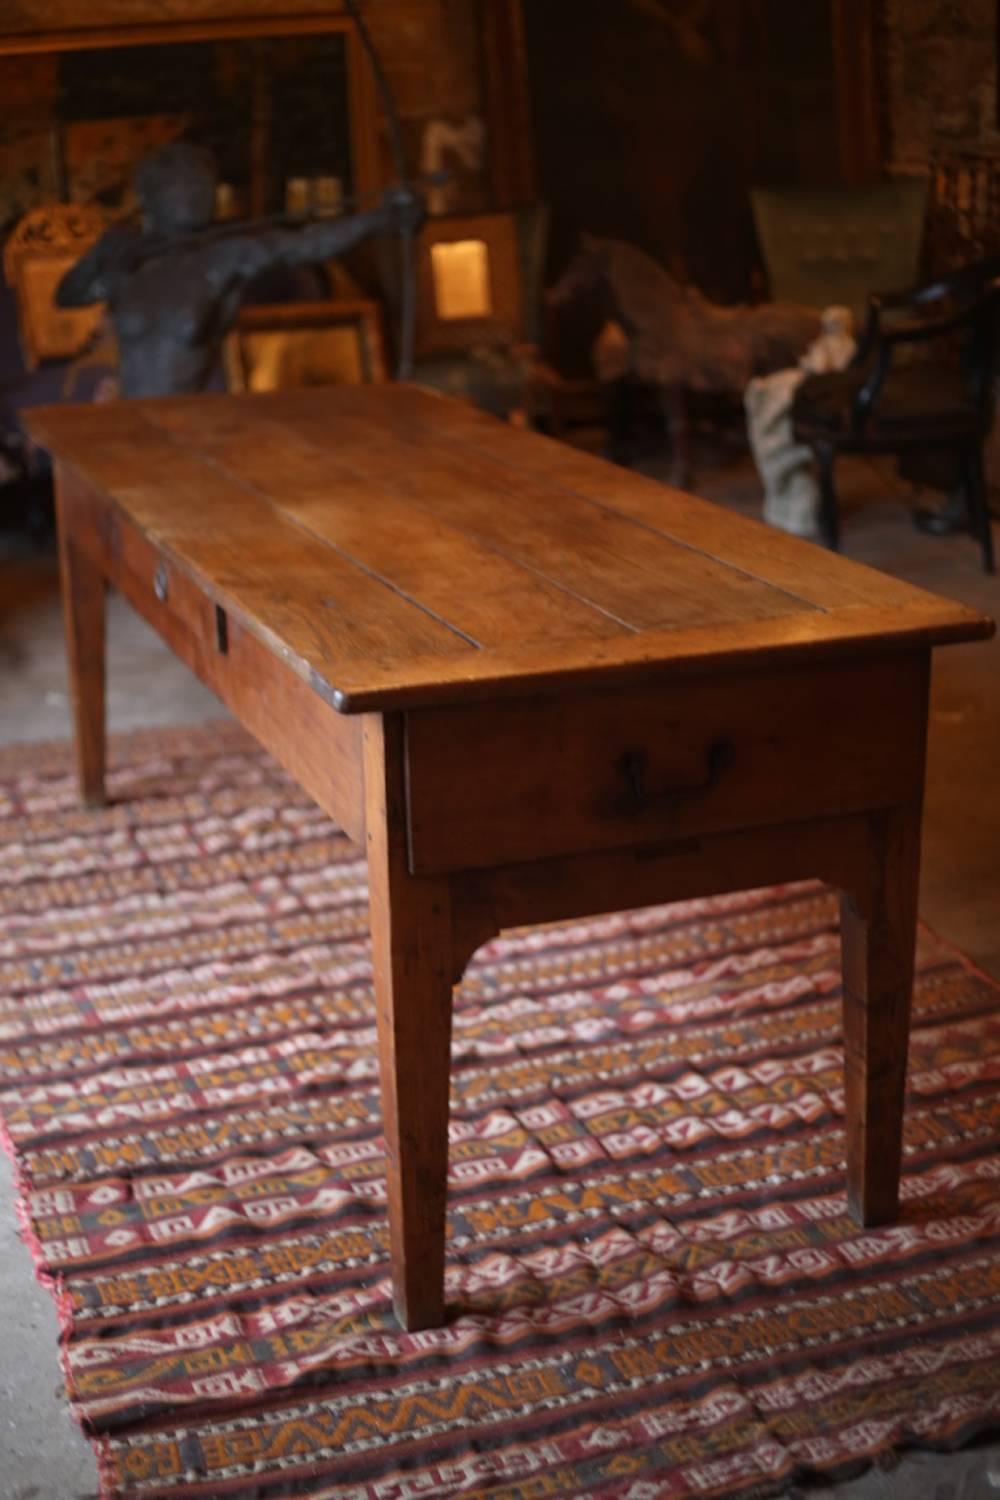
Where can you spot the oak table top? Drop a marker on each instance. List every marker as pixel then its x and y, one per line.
pixel 440 556
pixel 532 687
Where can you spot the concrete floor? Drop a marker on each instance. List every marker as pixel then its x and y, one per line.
pixel 42 1455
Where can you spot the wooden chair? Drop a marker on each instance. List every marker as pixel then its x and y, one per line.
pixel 826 246
pixel 943 403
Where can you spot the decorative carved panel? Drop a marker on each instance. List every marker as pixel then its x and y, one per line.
pixel 43 246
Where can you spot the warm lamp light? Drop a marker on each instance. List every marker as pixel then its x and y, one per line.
pixel 461 270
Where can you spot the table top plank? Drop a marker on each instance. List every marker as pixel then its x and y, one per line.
pixel 644 580
pixel 304 600
pixel 398 548
pixel 827 580
pixel 478 590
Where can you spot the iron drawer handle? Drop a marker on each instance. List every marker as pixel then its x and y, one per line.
pixel 638 798
pixel 161 583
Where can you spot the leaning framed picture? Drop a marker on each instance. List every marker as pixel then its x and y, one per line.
pixel 289 345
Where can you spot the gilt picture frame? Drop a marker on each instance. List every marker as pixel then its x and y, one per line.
pixel 291 345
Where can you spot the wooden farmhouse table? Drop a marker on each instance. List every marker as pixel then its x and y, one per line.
pixel 533 687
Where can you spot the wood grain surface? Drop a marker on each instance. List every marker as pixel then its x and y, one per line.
pixel 400 549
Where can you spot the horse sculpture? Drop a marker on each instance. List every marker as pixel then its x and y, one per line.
pixel 674 337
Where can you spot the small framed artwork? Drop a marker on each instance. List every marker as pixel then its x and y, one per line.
pixel 469 282
pixel 289 345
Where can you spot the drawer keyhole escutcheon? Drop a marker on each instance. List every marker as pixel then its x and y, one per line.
pixel 639 797
pixel 161 583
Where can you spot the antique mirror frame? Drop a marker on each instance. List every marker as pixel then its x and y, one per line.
pixel 195 22
pixel 47 333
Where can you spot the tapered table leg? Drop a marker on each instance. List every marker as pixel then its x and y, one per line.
pixel 83 600
pixel 412 951
pixel 878 937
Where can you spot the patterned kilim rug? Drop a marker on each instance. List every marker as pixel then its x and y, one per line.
pixel 656 1290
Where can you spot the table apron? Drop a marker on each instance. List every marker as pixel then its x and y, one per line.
pixel 543 777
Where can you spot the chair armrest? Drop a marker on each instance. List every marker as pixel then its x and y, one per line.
pixel 892 301
pixel 866 395
pixel 869 334
pixel 875 347
pixel 914 297
pixel 963 281
pixel 883 341
pixel 932 328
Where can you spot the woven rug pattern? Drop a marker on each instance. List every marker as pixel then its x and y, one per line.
pixel 654 1286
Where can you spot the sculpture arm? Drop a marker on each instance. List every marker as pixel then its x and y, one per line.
pixel 94 277
pixel 323 239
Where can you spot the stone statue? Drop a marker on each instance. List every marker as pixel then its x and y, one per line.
pixel 787 468
pixel 175 285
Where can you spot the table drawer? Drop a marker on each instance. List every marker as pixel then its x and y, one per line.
pixel 538 778
pixel 173 604
pixel 164 595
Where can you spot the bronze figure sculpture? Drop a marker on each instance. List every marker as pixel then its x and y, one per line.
pixel 174 285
